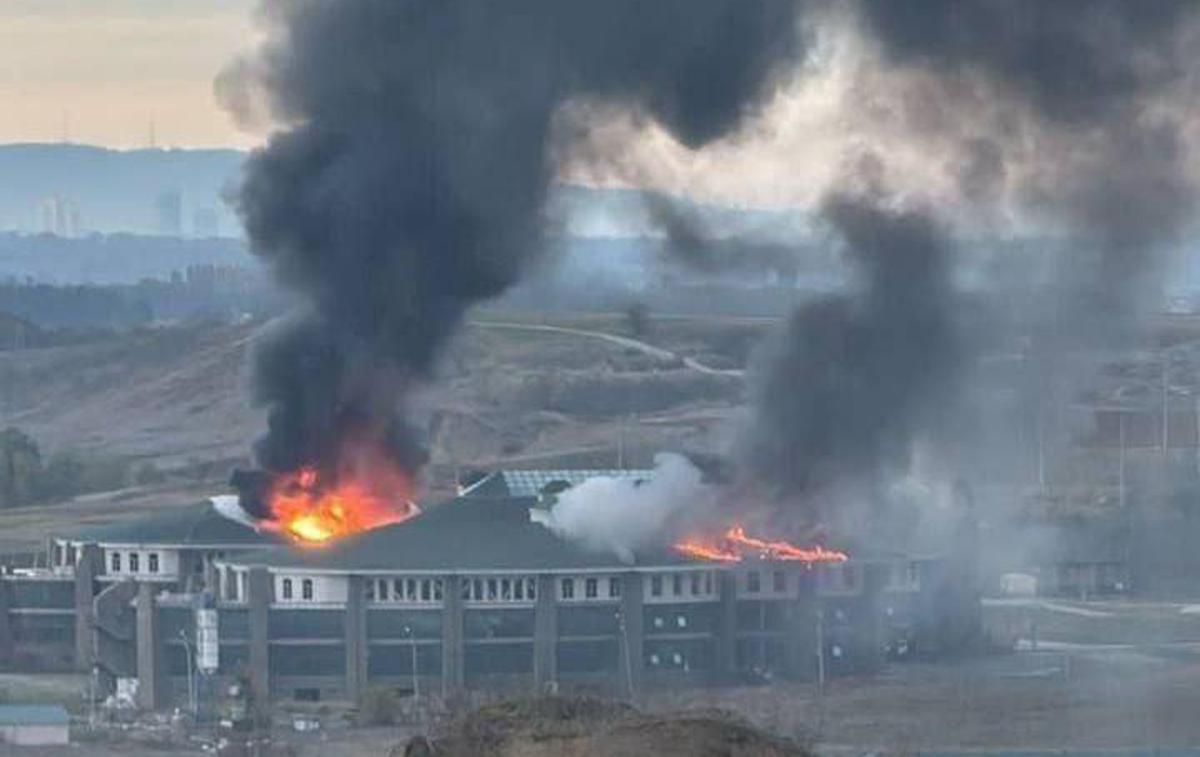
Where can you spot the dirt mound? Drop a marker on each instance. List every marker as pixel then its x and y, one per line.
pixel 583 727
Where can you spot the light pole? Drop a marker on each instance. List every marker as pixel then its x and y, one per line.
pixel 820 664
pixel 191 674
pixel 624 629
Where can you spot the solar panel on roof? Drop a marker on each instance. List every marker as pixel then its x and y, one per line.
pixel 530 483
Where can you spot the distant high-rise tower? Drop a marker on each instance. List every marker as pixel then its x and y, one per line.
pixel 169 213
pixel 60 217
pixel 205 223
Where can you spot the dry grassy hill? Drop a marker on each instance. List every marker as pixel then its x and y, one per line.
pixel 509 393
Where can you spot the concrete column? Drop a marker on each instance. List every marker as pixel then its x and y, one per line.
pixel 152 688
pixel 801 649
pixel 356 638
pixel 189 577
pixel 727 628
pixel 545 634
pixel 631 633
pixel 87 567
pixel 6 636
pixel 258 599
pixel 869 617
pixel 453 648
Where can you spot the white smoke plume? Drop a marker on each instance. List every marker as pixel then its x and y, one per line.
pixel 623 515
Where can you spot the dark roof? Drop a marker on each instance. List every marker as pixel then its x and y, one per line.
pixel 21 714
pixel 467 534
pixel 192 525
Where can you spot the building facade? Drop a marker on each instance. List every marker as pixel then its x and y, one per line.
pixel 474 594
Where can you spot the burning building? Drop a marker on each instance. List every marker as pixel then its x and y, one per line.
pixel 473 594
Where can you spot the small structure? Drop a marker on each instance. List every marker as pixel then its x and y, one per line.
pixel 34 725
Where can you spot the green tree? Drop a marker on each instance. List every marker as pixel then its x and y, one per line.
pixel 20 468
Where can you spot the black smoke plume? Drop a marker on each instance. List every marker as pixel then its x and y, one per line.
pixel 850 381
pixel 1067 110
pixel 410 179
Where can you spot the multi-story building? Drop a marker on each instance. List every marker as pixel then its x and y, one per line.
pixel 475 593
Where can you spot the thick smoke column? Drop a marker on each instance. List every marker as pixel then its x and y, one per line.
pixel 410 181
pixel 844 389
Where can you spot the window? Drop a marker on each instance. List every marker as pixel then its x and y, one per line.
pixel 306 589
pixel 568 588
pixel 531 588
pixel 398 588
pixel 913 574
pixel 437 590
pixel 506 589
pixel 426 591
pixel 519 589
pixel 779 581
pixel 591 588
pixel 133 562
pixel 231 586
pixel 677 584
pixel 152 562
pixel 708 582
pixel 492 593
pixel 614 587
pixel 656 586
pixel 383 590
pixel 753 582
pixel 695 584
pixel 116 562
pixel 287 588
pixel 410 590
pixel 369 590
pixel 477 589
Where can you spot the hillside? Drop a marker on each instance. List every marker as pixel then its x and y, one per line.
pixel 509 393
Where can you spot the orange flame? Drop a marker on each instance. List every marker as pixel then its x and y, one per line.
pixel 735 545
pixel 369 497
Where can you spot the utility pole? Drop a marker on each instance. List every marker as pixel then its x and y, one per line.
pixel 1121 458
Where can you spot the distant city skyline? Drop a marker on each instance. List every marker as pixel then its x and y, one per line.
pixel 119 73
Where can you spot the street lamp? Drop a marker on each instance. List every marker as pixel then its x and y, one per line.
pixel 628 658
pixel 191 675
pixel 416 681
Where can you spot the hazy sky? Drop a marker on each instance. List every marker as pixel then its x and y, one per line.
pixel 101 71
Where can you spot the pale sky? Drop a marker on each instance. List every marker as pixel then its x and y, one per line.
pixel 102 71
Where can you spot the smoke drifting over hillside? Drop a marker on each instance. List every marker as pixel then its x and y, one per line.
pixel 850 381
pixel 410 180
